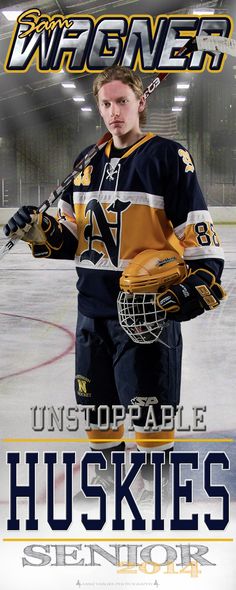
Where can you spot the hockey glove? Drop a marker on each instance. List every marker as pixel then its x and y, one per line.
pixel 197 293
pixel 41 231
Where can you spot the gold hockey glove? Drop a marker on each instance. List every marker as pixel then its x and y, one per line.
pixel 40 230
pixel 190 298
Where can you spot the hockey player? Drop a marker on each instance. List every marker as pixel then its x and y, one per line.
pixel 140 192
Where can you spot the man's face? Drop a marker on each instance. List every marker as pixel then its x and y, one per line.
pixel 119 107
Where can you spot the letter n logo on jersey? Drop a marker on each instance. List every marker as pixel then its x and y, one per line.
pixel 102 230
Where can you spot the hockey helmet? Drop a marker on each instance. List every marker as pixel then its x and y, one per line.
pixel 149 273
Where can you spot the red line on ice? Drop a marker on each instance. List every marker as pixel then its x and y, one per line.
pixel 54 359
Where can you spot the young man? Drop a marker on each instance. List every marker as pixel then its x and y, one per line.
pixel 139 192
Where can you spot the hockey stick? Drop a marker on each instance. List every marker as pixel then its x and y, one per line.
pixel 199 43
pixel 60 189
pixel 216 43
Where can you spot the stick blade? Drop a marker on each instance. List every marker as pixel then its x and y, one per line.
pixel 216 43
pixel 8 246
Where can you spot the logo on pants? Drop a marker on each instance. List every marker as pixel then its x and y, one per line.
pixel 144 401
pixel 81 385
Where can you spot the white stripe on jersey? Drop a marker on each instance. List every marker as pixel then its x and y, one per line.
pixel 70 225
pixel 193 217
pixel 203 252
pixel 102 264
pixel 155 201
pixel 65 209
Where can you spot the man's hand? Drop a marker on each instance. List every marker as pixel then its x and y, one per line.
pixel 197 293
pixel 40 230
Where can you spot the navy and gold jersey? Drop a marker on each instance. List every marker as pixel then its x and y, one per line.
pixel 118 207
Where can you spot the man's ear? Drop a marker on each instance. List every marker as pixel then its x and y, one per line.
pixel 142 104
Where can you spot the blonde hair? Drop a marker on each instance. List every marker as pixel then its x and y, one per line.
pixel 126 76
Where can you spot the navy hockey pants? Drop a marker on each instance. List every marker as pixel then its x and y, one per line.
pixel 112 369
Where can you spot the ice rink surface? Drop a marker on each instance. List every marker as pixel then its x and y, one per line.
pixel 37 317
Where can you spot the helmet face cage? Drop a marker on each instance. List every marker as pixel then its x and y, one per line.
pixel 140 317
